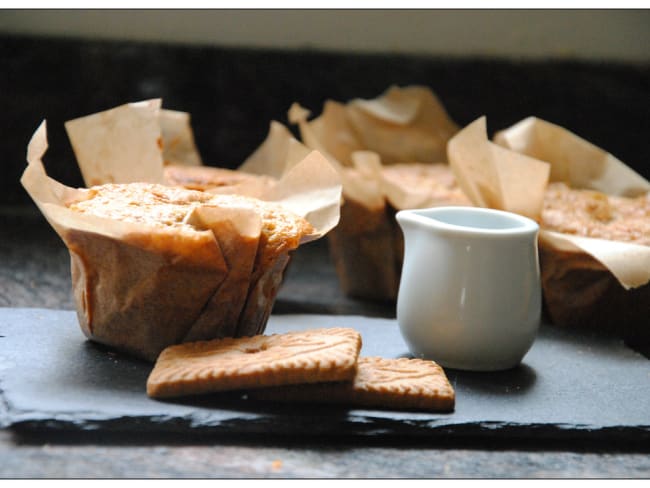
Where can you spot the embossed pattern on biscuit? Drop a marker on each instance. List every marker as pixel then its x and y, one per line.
pixel 309 356
pixel 403 383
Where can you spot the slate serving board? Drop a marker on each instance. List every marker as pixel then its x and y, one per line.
pixel 569 386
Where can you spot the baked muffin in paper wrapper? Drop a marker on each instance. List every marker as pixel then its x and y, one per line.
pixel 391 155
pixel 140 287
pixel 594 215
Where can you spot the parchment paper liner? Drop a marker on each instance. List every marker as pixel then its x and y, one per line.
pixel 586 280
pixel 402 125
pixel 141 289
pixel 179 146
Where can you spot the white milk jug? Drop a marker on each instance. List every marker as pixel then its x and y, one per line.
pixel 470 292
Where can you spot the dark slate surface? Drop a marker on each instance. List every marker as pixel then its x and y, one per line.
pixel 568 387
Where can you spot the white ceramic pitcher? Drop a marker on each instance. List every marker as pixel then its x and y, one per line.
pixel 470 294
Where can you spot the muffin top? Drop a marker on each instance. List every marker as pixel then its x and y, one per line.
pixel 591 213
pixel 142 203
pixel 168 207
pixel 206 177
pixel 436 180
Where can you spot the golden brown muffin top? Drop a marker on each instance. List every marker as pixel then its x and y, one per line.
pixel 162 206
pixel 436 180
pixel 591 213
pixel 206 177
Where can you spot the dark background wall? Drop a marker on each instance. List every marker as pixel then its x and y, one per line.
pixel 233 93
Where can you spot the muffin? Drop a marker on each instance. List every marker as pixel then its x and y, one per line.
pixel 578 289
pixel 391 154
pixel 190 273
pixel 593 215
pixel 367 246
pixel 154 264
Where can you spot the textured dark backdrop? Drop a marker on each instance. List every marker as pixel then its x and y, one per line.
pixel 233 94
